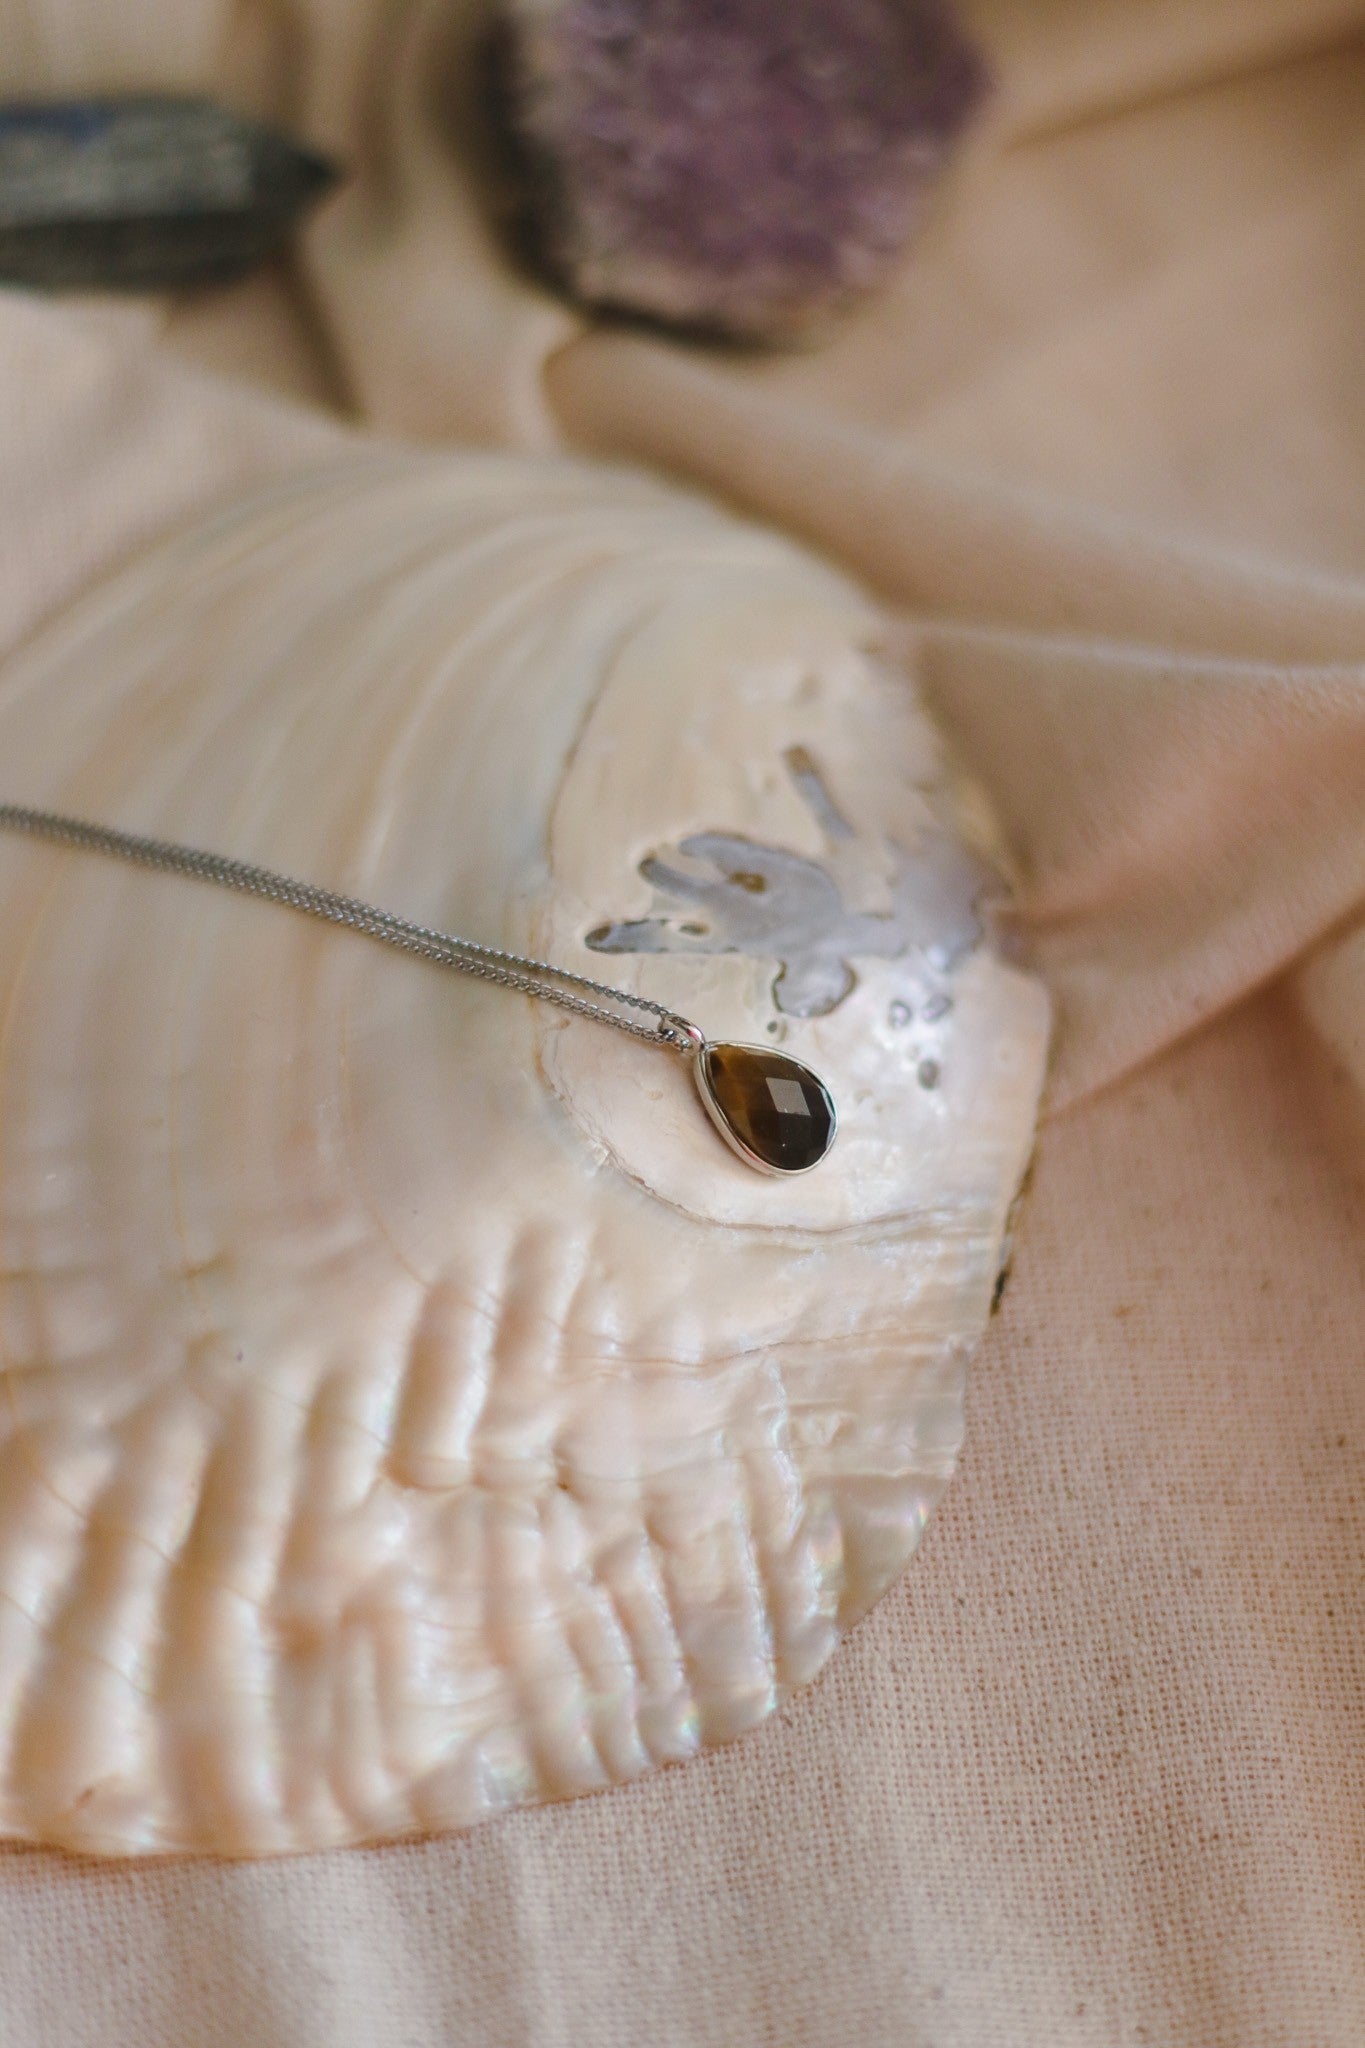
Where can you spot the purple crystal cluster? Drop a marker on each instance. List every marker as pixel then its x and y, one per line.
pixel 741 167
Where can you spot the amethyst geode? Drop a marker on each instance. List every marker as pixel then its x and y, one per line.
pixel 737 166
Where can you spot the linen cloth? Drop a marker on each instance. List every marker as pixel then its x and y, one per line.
pixel 1094 1772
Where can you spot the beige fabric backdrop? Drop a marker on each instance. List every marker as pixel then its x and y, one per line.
pixel 1094 1773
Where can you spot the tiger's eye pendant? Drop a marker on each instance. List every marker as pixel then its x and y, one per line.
pixel 769 1108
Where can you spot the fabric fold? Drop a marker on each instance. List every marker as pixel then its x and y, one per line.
pixel 1157 807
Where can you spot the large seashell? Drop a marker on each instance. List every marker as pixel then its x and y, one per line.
pixel 410 1408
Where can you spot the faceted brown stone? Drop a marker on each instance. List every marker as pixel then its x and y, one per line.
pixel 778 1110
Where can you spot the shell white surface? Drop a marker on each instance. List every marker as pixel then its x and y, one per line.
pixel 409 1408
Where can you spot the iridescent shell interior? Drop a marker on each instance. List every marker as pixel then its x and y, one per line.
pixel 410 1409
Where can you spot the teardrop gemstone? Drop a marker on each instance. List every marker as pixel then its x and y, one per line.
pixel 773 1111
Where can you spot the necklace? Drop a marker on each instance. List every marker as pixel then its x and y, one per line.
pixel 769 1108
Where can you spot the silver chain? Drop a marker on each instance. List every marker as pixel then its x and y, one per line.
pixel 508 970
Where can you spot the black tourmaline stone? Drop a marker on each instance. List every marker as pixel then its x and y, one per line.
pixel 145 193
pixel 779 1110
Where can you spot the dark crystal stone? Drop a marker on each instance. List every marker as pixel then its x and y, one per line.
pixel 144 193
pixel 778 1110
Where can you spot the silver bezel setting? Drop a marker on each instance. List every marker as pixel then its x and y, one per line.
pixel 701 1051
